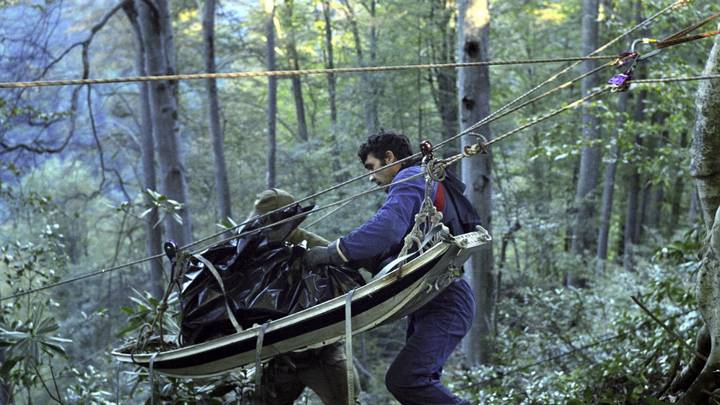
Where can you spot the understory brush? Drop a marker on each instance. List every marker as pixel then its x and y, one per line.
pixel 595 344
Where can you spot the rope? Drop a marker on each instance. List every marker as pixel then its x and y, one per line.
pixel 492 117
pixel 315 222
pixel 290 73
pixel 497 139
pixel 139 261
pixel 495 115
pixel 214 272
pixel 545 117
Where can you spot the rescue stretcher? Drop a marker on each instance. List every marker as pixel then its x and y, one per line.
pixel 398 290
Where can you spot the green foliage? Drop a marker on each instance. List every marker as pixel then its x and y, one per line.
pixel 591 345
pixel 60 215
pixel 164 205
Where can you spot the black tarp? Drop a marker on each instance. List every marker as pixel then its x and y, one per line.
pixel 264 279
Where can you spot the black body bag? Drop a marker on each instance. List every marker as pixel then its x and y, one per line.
pixel 263 278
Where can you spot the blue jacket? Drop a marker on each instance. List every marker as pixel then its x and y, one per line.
pixel 381 237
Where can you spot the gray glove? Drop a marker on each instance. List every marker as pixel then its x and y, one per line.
pixel 322 255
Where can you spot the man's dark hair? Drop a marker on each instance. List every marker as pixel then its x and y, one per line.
pixel 382 142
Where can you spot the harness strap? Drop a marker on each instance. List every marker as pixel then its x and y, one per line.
pixel 152 378
pixel 215 274
pixel 349 348
pixel 440 197
pixel 258 362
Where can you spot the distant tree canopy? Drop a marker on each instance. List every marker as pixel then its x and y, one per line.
pixel 586 208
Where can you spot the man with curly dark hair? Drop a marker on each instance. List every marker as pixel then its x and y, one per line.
pixel 434 330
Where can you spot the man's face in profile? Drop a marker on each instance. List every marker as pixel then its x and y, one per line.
pixel 385 176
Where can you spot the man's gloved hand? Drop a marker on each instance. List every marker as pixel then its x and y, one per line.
pixel 322 255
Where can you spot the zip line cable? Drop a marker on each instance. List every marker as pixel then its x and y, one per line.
pixel 485 121
pixel 293 73
pixel 491 118
pixel 496 115
pixel 642 24
pixel 252 231
pixel 340 203
pixel 409 158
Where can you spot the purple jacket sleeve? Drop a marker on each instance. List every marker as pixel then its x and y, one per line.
pixel 384 232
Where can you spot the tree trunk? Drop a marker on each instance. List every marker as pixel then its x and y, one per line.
pixel 330 64
pixel 584 227
pixel 295 80
pixel 633 193
pixel 445 91
pixel 153 234
pixel 474 102
pixel 678 190
pixel 272 94
pixel 705 168
pixel 692 211
pixel 156 32
pixel 369 103
pixel 218 139
pixel 609 186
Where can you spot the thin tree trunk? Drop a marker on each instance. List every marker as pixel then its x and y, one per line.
pixel 153 234
pixel 369 104
pixel 609 185
pixel 633 193
pixel 272 95
pixel 678 190
pixel 159 60
pixel 295 80
pixel 330 64
pixel 474 93
pixel 445 94
pixel 584 227
pixel 222 185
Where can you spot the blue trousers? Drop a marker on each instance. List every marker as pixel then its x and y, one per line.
pixel 433 333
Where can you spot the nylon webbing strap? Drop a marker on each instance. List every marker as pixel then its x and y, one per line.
pixel 215 274
pixel 258 362
pixel 152 378
pixel 349 349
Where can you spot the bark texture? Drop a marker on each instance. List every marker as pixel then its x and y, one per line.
pixel 294 59
pixel 609 185
pixel 222 186
pixel 153 234
pixel 370 109
pixel 633 193
pixel 705 168
pixel 584 227
pixel 272 97
pixel 155 25
pixel 330 64
pixel 474 105
pixel 443 81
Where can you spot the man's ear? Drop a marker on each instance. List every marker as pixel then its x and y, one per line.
pixel 389 157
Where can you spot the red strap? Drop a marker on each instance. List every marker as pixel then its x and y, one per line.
pixel 440 198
